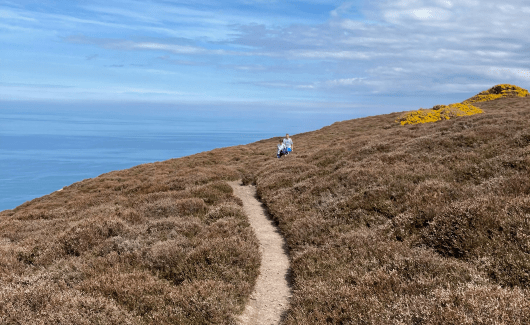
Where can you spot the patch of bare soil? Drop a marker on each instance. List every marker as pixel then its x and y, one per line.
pixel 271 296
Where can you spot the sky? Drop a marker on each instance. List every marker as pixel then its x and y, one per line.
pixel 376 56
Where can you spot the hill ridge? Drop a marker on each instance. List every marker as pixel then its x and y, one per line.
pixel 465 108
pixel 384 224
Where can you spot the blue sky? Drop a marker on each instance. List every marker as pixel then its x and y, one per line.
pixel 376 56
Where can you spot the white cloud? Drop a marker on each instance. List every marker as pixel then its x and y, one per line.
pixel 400 46
pixel 506 8
pixel 249 68
pixel 122 12
pixel 145 91
pixel 445 3
pixel 17 28
pixel 10 14
pixel 372 41
pixel 337 54
pixel 158 72
pixel 352 24
pixel 509 73
pixel 341 9
pixel 32 85
pixel 318 85
pixel 37 92
pixel 178 49
pixel 425 14
pixel 494 54
pixel 305 87
pixel 344 82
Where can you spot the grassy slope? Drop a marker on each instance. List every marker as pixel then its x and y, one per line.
pixel 386 224
pixel 423 224
pixel 162 243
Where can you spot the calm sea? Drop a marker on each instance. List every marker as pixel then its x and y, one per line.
pixel 44 146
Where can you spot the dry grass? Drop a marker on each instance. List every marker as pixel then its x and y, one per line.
pixel 422 224
pixel 385 224
pixel 162 243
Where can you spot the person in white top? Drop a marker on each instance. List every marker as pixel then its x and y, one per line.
pixel 288 142
pixel 281 149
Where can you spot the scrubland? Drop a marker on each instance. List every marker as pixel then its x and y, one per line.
pixel 385 224
pixel 421 224
pixel 161 243
pixel 466 108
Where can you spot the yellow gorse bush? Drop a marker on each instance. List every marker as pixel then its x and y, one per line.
pixel 499 91
pixel 439 112
pixel 446 112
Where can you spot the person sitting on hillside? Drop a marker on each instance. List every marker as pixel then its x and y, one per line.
pixel 288 142
pixel 282 149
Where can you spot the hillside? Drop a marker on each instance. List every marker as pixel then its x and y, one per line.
pixel 385 224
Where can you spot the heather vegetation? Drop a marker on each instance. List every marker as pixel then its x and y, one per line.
pixel 385 224
pixel 422 224
pixel 162 243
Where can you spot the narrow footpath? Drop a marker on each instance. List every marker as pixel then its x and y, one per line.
pixel 270 298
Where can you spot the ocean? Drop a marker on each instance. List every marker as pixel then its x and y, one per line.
pixel 46 146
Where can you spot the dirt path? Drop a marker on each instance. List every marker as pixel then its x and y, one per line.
pixel 271 296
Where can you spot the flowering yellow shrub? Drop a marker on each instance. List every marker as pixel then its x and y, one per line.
pixel 438 112
pixel 419 116
pixel 459 109
pixel 445 112
pixel 499 91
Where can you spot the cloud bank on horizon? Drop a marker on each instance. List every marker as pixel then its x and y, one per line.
pixel 307 51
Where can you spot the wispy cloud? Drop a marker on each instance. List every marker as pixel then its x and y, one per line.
pixel 30 85
pixel 271 48
pixel 13 92
pixel 10 14
pixel 350 83
pixel 345 82
pixel 337 54
pixel 509 73
pixel 117 44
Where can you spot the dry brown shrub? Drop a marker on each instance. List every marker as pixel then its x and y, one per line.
pixel 138 246
pixel 438 212
pixel 168 207
pixel 230 210
pixel 214 193
pixel 88 234
pixel 423 224
pixel 36 301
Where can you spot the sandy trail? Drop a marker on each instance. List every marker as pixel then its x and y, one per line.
pixel 271 296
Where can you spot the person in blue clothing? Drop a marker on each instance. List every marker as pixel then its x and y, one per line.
pixel 288 142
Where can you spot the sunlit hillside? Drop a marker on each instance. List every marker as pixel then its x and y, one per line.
pixel 385 223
